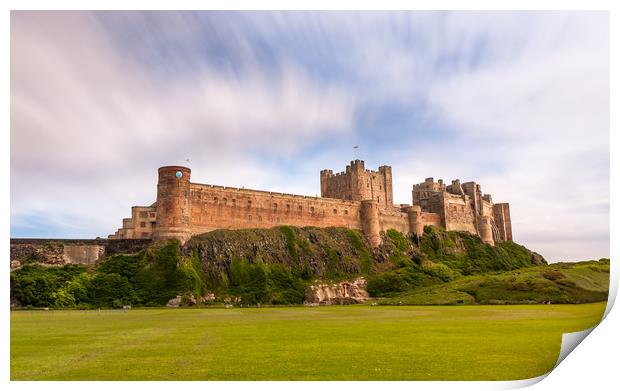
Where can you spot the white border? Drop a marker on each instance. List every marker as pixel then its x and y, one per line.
pixel 592 365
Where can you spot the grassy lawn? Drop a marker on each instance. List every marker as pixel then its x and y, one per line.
pixel 296 343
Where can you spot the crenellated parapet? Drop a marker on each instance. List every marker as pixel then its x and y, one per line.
pixel 463 207
pixel 355 198
pixel 356 183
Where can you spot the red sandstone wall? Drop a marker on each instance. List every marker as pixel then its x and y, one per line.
pixel 431 219
pixel 143 220
pixel 501 215
pixel 393 220
pixel 173 203
pixel 459 216
pixel 215 207
pixel 357 184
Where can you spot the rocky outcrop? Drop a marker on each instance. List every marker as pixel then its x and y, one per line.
pixel 345 292
pixel 188 300
pixel 58 252
pixel 174 302
pixel 323 251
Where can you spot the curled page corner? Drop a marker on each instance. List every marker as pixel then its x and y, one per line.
pixel 570 342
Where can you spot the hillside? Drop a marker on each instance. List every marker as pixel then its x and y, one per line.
pixel 562 283
pixel 276 266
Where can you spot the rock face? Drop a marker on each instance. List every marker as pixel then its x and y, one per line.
pixel 345 292
pixel 58 252
pixel 174 302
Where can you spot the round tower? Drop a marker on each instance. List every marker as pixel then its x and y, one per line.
pixel 173 204
pixel 414 215
pixel 369 214
pixel 486 232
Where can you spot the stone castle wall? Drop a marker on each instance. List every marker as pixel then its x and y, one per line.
pixel 501 213
pixel 214 207
pixel 58 252
pixel 357 183
pixel 356 198
pixel 463 207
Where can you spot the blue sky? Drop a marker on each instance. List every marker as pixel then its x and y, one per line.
pixel 517 101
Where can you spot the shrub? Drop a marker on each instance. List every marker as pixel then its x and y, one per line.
pixel 385 283
pixel 291 242
pixel 35 285
pixel 362 251
pixel 553 275
pixel 440 271
pixel 399 240
pixel 106 288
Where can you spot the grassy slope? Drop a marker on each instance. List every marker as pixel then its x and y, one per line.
pixel 325 343
pixel 559 283
pixel 274 266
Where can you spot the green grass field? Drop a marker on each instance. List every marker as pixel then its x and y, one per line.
pixel 296 343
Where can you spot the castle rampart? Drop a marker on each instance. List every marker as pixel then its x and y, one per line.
pixel 463 207
pixel 356 198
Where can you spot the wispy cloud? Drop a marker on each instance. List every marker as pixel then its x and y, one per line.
pixel 518 101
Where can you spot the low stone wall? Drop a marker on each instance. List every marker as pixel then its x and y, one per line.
pixel 67 251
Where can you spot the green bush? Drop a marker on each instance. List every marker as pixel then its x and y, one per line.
pixel 291 242
pixel 440 271
pixel 106 288
pixel 553 275
pixel 386 283
pixel 36 285
pixel 398 239
pixel 467 254
pixel 362 251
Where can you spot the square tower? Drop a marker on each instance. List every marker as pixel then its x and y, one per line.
pixel 358 184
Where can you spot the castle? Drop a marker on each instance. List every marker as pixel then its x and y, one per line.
pixel 356 198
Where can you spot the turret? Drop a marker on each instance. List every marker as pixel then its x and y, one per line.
pixel 414 215
pixel 486 231
pixel 369 214
pixel 386 171
pixel 325 175
pixel 173 204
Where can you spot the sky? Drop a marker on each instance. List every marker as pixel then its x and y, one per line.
pixel 516 101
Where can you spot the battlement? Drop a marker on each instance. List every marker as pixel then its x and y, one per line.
pixel 242 191
pixel 356 183
pixel 463 207
pixel 356 198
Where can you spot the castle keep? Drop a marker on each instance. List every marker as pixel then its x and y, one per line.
pixel 356 198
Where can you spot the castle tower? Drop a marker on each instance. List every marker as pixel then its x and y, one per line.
pixel 356 172
pixel 173 204
pixel 369 214
pixel 357 183
pixel 386 172
pixel 501 215
pixel 325 176
pixel 486 231
pixel 414 216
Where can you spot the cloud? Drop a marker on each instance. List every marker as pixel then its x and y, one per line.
pixel 538 125
pixel 89 127
pixel 517 101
